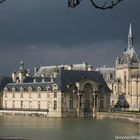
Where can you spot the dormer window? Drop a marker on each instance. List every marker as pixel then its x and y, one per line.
pixel 5 89
pixel 38 89
pixel 13 89
pixel 30 89
pixel 21 89
pixel 48 88
pixel 55 87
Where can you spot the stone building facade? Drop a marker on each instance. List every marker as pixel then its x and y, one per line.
pixel 125 84
pixel 3 82
pixel 62 91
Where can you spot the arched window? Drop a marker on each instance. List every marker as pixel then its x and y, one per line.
pixel 88 90
pixel 125 80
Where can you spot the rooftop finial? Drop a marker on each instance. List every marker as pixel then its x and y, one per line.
pixel 21 64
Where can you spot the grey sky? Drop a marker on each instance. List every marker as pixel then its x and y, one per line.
pixel 46 32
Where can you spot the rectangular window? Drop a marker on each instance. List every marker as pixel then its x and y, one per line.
pixel 38 105
pixel 55 94
pixel 21 104
pixel 71 95
pixel 13 94
pixel 30 94
pixel 5 104
pixel 39 95
pixel 55 105
pixel 71 104
pixel 48 95
pixel 5 94
pixel 21 95
pixel 13 104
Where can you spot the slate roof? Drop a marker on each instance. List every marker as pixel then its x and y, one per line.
pixel 130 57
pixel 4 81
pixel 68 77
pixel 44 86
pixel 65 77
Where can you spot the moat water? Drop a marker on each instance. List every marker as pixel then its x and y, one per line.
pixel 35 128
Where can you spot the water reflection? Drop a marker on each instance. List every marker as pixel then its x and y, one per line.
pixel 36 128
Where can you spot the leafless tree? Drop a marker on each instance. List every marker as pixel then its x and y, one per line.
pixel 1 1
pixel 104 6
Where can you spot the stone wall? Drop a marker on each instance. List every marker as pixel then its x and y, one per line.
pixel 23 113
pixel 130 116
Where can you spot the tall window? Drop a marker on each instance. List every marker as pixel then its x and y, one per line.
pixel 5 104
pixel 71 104
pixel 5 94
pixel 13 104
pixel 13 94
pixel 21 92
pixel 125 80
pixel 30 92
pixel 39 105
pixel 55 94
pixel 71 95
pixel 48 95
pixel 88 90
pixel 55 105
pixel 30 104
pixel 39 95
pixel 21 104
pixel 102 102
pixel 39 92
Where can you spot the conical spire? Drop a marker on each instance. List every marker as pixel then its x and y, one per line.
pixel 130 37
pixel 130 31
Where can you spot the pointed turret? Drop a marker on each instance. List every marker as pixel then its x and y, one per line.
pixel 130 57
pixel 130 37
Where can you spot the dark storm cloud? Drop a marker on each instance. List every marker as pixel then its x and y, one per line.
pixel 47 32
pixel 49 21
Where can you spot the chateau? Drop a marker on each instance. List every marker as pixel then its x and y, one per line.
pixel 61 91
pixel 75 90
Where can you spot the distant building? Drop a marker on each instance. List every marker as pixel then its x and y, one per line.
pixel 125 84
pixel 62 91
pixel 3 82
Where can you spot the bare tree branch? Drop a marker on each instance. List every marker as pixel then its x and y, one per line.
pixel 1 1
pixel 74 3
pixel 104 6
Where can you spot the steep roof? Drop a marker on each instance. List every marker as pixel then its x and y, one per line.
pixel 65 77
pixel 4 81
pixel 71 76
pixel 130 57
